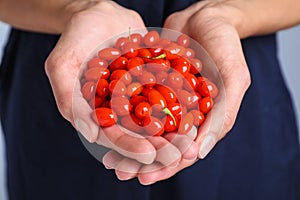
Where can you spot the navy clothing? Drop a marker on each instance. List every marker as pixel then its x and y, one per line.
pixel 258 159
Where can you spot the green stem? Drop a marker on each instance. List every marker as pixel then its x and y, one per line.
pixel 161 56
pixel 168 112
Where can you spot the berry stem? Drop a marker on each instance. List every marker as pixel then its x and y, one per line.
pixel 129 34
pixel 161 56
pixel 168 112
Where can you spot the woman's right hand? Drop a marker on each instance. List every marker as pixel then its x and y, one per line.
pixel 91 26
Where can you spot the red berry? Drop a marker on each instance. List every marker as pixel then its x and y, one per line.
pixel 183 40
pixel 109 53
pixel 130 50
pixel 93 74
pixel 134 89
pixel 206 104
pixel 191 83
pixel 97 62
pixel 117 88
pixel 88 90
pixel 151 38
pixel 167 93
pixel 198 117
pixel 104 117
pixel 121 74
pixel 144 53
pixel 119 63
pixel 155 97
pixel 143 110
pixel 102 88
pixel 136 38
pixel 135 66
pixel 147 79
pixel 120 42
pixel 121 106
pixel 170 124
pixel 186 123
pixel 196 66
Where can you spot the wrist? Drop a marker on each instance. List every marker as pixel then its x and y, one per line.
pixel 72 8
pixel 258 17
pixel 229 12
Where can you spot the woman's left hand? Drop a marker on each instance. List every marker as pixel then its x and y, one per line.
pixel 214 26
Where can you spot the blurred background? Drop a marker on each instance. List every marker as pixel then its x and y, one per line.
pixel 288 54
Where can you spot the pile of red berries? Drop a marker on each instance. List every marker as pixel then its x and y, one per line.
pixel 149 85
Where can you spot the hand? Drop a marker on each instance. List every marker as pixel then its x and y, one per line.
pixel 171 150
pixel 213 26
pixel 85 30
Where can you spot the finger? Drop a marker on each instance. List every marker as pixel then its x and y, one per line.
pixel 193 133
pixel 155 172
pixel 137 148
pixel 83 121
pixel 166 153
pixel 187 147
pixel 127 169
pixel 232 77
pixel 111 159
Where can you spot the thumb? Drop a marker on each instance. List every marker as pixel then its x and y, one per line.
pixel 66 89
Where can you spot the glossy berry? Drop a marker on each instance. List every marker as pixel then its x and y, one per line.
pixel 121 74
pixel 143 110
pixel 102 88
pixel 119 63
pixel 183 40
pixel 104 117
pixel 151 38
pixel 134 89
pixel 135 38
pixel 167 93
pixel 155 97
pixel 93 74
pixel 130 50
pixel 170 125
pixel 88 90
pixel 135 100
pixel 196 66
pixel 198 117
pixel 206 104
pixel 135 66
pixel 186 123
pixel 97 62
pixel 117 88
pixel 121 106
pixel 109 53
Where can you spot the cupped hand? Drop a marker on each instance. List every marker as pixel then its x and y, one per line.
pixel 86 29
pixel 213 25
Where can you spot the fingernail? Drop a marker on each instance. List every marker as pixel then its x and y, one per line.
pixel 174 164
pixel 83 128
pixel 206 146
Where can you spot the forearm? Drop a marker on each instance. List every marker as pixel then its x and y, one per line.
pixel 265 16
pixel 38 15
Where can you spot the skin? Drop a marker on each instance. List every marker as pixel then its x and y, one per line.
pixel 217 25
